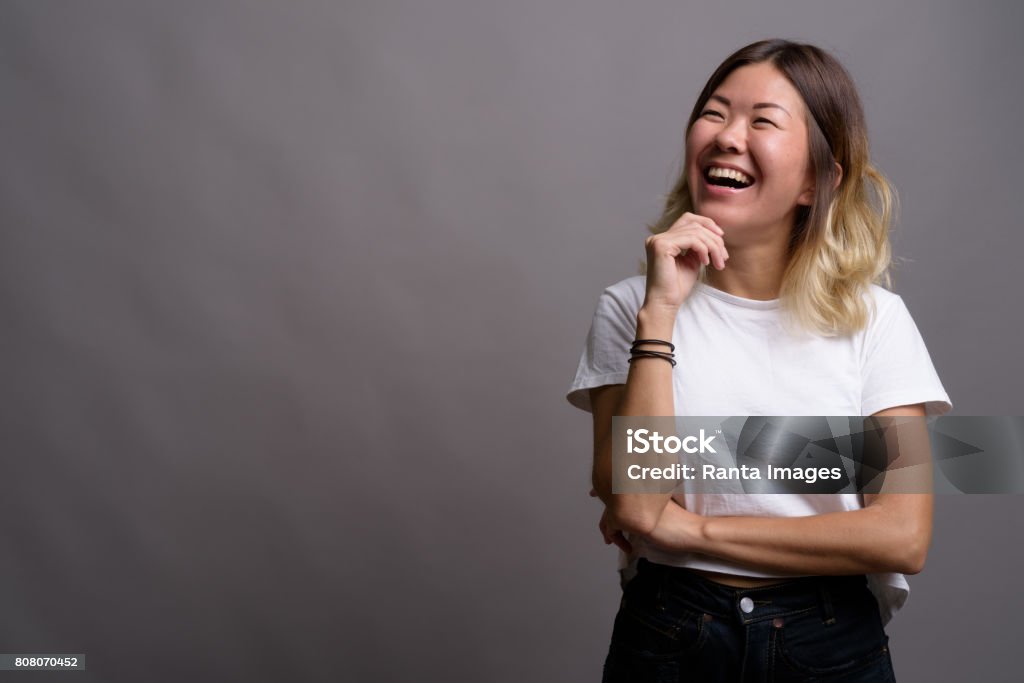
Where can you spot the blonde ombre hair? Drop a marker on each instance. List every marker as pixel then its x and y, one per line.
pixel 840 244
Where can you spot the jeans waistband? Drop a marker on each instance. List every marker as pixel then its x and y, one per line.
pixel 749 605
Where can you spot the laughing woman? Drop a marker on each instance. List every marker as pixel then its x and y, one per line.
pixel 762 297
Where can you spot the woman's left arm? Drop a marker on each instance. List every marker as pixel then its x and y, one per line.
pixel 890 534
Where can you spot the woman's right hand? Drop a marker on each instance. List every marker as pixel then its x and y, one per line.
pixel 674 258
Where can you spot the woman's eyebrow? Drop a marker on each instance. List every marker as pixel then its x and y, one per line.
pixel 759 105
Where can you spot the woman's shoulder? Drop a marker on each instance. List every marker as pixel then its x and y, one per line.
pixel 881 302
pixel 881 295
pixel 888 314
pixel 630 285
pixel 629 292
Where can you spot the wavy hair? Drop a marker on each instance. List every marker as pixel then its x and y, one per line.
pixel 840 244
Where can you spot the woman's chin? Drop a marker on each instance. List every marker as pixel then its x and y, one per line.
pixel 725 216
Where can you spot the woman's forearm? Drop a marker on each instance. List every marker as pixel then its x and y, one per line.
pixel 891 535
pixel 674 261
pixel 648 392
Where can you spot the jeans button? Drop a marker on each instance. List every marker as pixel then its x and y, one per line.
pixel 747 605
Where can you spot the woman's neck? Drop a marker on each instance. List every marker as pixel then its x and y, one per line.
pixel 750 273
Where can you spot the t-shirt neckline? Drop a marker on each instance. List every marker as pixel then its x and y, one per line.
pixel 754 304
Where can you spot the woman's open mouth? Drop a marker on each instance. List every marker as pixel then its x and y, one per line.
pixel 725 181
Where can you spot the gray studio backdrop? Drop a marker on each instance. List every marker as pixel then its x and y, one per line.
pixel 291 294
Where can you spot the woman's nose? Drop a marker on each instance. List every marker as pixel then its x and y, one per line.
pixel 732 137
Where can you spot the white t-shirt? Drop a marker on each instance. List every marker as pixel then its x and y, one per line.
pixel 735 357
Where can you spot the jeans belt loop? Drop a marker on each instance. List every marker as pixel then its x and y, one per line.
pixel 827 615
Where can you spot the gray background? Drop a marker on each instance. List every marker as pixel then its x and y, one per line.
pixel 292 292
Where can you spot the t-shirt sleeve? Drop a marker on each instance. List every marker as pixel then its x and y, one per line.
pixel 605 357
pixel 897 369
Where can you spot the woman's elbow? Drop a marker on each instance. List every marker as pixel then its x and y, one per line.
pixel 903 534
pixel 910 552
pixel 634 516
pixel 913 557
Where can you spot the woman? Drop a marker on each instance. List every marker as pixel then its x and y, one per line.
pixel 761 299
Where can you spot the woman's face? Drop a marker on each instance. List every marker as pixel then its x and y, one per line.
pixel 754 123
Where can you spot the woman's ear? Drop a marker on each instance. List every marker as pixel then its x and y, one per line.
pixel 806 197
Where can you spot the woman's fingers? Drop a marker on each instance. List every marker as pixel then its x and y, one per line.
pixel 703 220
pixel 708 244
pixel 711 230
pixel 672 269
pixel 612 535
pixel 715 249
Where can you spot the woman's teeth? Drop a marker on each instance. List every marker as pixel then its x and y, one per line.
pixel 725 175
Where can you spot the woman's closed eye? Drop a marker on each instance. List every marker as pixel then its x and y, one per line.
pixel 712 112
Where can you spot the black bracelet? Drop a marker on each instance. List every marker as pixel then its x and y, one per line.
pixel 653 354
pixel 638 342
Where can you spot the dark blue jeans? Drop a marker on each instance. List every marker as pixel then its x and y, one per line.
pixel 675 625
